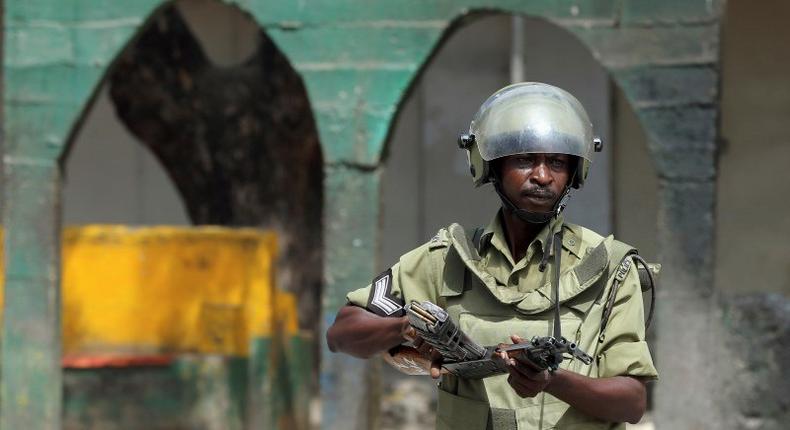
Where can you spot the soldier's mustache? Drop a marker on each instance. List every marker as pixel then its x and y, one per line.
pixel 539 192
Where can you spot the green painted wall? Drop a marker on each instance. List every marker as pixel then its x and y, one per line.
pixel 357 58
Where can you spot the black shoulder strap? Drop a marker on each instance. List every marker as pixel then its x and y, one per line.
pixel 477 234
pixel 476 237
pixel 651 284
pixel 624 255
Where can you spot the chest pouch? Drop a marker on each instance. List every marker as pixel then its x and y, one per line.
pixel 555 347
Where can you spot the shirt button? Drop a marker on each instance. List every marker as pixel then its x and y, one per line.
pixel 571 242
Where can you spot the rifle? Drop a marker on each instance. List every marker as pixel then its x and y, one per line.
pixel 465 358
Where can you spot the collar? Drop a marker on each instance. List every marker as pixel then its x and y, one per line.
pixel 494 235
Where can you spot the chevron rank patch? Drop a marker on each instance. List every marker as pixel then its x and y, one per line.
pixel 381 301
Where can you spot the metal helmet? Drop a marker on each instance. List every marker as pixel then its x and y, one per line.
pixel 529 117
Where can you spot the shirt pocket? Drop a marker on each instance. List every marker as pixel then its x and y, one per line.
pixel 456 412
pixel 556 414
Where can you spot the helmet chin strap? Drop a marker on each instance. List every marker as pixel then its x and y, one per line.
pixel 537 217
pixel 534 217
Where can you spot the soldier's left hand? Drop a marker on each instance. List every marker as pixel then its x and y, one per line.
pixel 526 380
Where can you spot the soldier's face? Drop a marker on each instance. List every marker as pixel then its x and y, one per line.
pixel 534 182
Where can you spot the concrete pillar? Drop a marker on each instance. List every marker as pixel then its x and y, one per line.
pixel 31 348
pixel 351 211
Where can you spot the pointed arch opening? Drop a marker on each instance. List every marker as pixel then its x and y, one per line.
pixel 202 124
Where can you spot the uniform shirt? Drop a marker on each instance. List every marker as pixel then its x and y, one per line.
pixel 525 293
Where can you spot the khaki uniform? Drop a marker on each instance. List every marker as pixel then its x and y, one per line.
pixel 491 296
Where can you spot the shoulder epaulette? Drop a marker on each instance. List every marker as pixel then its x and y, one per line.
pixel 440 240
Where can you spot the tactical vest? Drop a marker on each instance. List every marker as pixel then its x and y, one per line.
pixel 489 313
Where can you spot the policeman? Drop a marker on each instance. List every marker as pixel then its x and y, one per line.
pixel 527 273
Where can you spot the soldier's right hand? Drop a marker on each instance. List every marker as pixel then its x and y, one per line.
pixel 427 351
pixel 524 378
